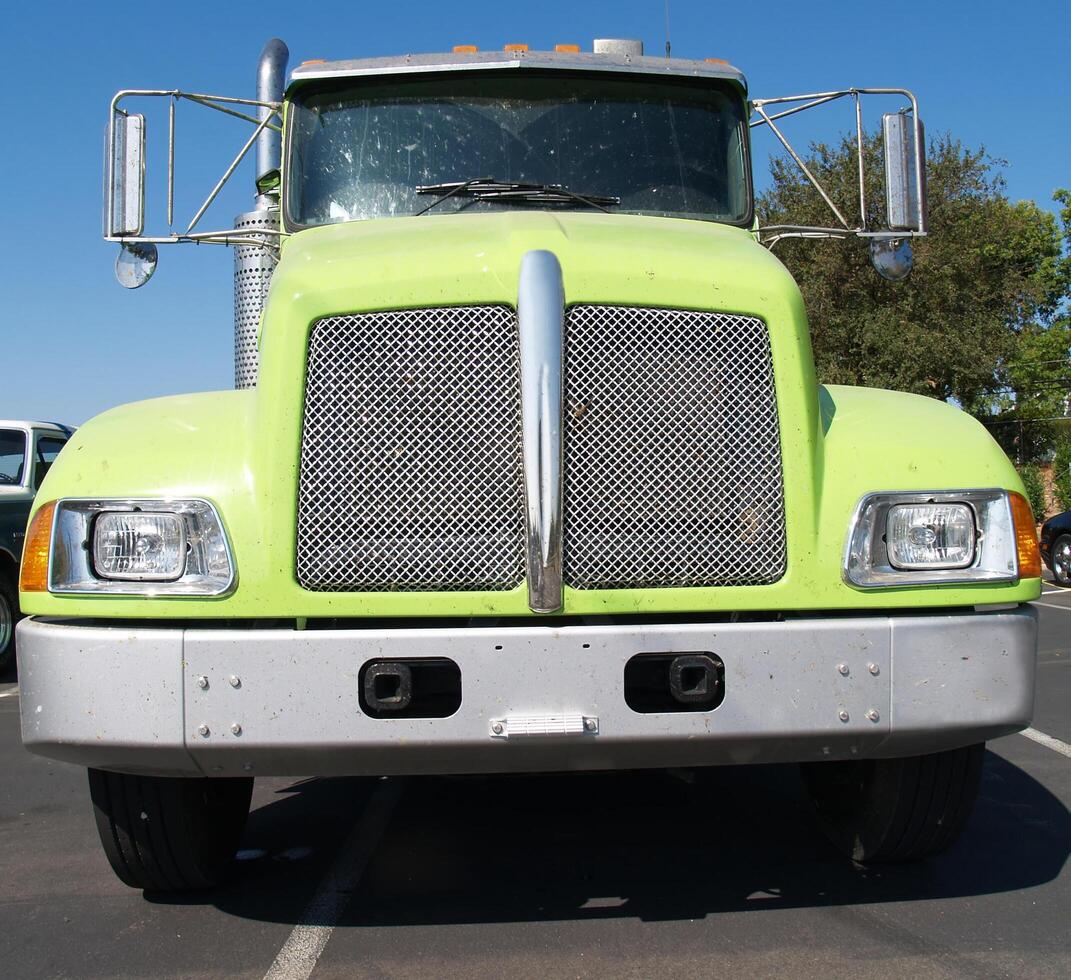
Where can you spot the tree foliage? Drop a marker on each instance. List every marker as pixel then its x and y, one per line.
pixel 1061 474
pixel 982 305
pixel 1035 489
pixel 1035 384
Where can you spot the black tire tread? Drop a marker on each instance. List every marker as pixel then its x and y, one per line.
pixel 11 593
pixel 169 834
pixel 903 810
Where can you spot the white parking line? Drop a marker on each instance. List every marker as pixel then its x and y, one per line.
pixel 1050 605
pixel 297 958
pixel 1048 741
pixel 11 692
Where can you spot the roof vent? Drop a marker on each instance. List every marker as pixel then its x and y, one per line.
pixel 618 46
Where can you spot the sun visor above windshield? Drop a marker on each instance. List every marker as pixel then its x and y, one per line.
pixel 482 60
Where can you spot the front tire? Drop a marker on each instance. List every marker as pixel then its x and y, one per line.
pixel 9 615
pixel 169 834
pixel 894 810
pixel 1061 560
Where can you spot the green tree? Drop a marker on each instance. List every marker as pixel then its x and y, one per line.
pixel 1035 489
pixel 1061 474
pixel 1036 381
pixel 989 272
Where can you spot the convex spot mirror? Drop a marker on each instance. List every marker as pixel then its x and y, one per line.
pixel 892 258
pixel 124 169
pixel 135 264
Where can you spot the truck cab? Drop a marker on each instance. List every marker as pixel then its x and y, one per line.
pixel 527 468
pixel 27 451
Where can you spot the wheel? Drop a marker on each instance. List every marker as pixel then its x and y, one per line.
pixel 169 834
pixel 889 810
pixel 1061 559
pixel 9 615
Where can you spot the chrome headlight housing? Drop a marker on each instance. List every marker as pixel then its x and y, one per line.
pixel 929 538
pixel 139 547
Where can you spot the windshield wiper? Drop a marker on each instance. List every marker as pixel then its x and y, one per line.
pixel 490 189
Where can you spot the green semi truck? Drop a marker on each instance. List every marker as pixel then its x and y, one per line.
pixel 526 469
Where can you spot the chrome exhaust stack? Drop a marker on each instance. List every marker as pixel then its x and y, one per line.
pixel 254 265
pixel 271 82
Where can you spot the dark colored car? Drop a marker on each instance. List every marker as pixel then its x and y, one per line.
pixel 1056 546
pixel 27 450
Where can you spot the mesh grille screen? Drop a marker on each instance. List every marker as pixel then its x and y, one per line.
pixel 672 451
pixel 410 461
pixel 410 456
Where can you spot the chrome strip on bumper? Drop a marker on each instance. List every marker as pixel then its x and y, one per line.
pixel 286 702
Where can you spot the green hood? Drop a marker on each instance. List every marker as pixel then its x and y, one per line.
pixel 458 258
pixel 241 450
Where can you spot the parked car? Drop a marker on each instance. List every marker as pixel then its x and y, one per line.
pixel 27 450
pixel 1056 546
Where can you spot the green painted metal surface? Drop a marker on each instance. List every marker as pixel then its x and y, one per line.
pixel 240 449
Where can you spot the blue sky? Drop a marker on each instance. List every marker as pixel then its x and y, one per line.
pixel 73 343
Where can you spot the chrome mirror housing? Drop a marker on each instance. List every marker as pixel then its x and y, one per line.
pixel 905 173
pixel 124 168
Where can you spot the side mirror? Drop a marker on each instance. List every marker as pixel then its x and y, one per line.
pixel 905 177
pixel 124 168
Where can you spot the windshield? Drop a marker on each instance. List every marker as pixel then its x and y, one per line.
pixel 662 146
pixel 12 456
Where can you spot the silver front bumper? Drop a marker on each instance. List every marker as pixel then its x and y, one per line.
pixel 285 702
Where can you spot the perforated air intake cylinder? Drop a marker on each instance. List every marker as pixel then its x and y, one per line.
pixel 253 267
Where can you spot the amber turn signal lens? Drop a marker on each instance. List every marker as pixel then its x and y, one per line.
pixel 1026 537
pixel 34 574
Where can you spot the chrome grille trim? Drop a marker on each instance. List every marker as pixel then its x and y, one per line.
pixel 672 451
pixel 410 455
pixel 540 328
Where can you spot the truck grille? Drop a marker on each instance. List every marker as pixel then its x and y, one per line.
pixel 672 451
pixel 410 453
pixel 411 475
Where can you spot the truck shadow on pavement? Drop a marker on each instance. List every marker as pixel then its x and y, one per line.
pixel 651 845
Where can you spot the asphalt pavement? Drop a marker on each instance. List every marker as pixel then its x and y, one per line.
pixel 644 874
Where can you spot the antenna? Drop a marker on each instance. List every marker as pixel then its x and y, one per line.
pixel 667 28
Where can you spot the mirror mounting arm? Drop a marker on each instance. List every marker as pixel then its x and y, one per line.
pixel 905 179
pixel 799 163
pixel 125 163
pixel 906 160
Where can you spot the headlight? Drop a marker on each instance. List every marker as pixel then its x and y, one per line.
pixel 944 537
pixel 133 547
pixel 930 536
